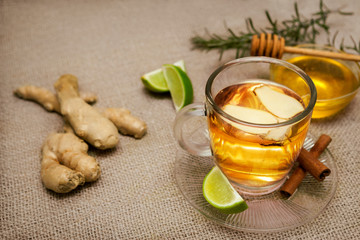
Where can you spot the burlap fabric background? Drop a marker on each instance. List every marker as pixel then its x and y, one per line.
pixel 108 45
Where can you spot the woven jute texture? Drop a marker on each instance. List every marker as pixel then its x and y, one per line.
pixel 109 45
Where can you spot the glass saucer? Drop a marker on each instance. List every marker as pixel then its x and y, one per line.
pixel 267 213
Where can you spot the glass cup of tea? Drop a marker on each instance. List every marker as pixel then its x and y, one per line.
pixel 256 127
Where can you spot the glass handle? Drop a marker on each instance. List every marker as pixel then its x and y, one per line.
pixel 190 130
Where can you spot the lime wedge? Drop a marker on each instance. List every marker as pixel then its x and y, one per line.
pixel 179 84
pixel 220 194
pixel 155 80
pixel 180 64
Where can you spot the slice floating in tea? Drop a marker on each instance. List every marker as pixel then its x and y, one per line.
pixel 250 115
pixel 256 116
pixel 279 104
pixel 279 133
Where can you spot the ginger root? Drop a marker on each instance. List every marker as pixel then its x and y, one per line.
pixel 46 98
pixel 88 97
pixel 87 122
pixel 65 163
pixel 126 123
pixel 39 95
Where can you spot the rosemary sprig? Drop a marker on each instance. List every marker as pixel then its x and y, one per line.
pixel 355 47
pixel 295 31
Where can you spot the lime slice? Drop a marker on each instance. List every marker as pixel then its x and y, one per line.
pixel 180 64
pixel 179 84
pixel 220 194
pixel 155 80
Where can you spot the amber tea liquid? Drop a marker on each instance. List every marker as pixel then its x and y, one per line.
pixel 250 160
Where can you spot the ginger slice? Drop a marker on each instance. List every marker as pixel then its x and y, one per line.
pixel 86 121
pixel 65 163
pixel 256 116
pixel 279 104
pixel 252 116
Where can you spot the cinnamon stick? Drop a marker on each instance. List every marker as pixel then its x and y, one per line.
pixel 312 165
pixel 320 145
pixel 308 161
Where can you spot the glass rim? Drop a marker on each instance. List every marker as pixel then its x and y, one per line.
pixel 309 108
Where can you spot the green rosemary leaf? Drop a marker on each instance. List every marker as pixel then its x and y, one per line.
pixel 221 54
pixel 251 25
pixel 345 13
pixel 232 33
pixel 237 53
pixel 297 11
pixel 342 47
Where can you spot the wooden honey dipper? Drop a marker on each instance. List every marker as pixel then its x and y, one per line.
pixel 274 46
